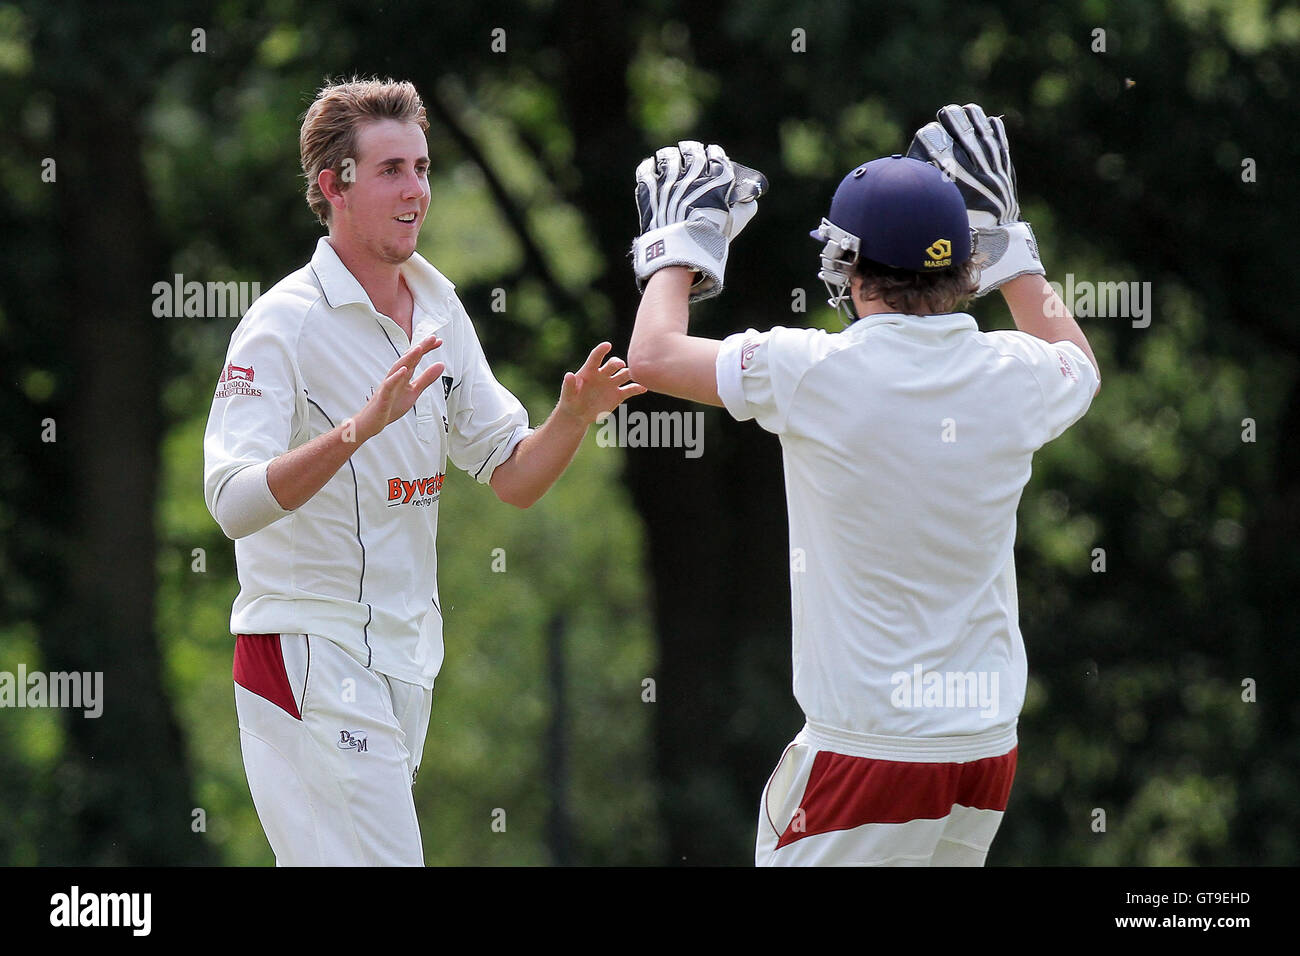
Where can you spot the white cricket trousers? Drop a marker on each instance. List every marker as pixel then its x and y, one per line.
pixel 331 749
pixel 824 808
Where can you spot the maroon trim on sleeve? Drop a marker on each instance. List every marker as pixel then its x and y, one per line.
pixel 845 792
pixel 259 668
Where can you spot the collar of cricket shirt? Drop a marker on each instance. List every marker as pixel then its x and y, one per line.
pixel 429 287
pixel 915 324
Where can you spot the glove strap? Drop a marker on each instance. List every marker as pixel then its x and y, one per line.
pixel 695 243
pixel 1003 253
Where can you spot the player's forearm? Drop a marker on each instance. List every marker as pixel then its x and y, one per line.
pixel 663 315
pixel 296 476
pixel 1038 310
pixel 662 355
pixel 538 461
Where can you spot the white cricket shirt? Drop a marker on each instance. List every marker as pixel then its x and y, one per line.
pixel 357 563
pixel 907 441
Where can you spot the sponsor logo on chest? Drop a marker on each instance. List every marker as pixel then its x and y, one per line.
pixel 418 491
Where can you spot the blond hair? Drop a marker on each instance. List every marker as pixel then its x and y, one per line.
pixel 329 127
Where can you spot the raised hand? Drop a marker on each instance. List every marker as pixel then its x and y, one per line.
pixel 596 389
pixel 398 392
pixel 971 148
pixel 692 200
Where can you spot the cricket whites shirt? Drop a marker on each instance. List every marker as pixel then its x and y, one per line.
pixel 357 563
pixel 907 441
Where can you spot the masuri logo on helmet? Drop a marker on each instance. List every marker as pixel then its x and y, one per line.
pixel 940 254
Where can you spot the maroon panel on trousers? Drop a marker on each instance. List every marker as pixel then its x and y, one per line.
pixel 844 792
pixel 259 667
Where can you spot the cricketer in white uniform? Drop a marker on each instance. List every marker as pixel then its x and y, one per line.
pixel 907 440
pixel 345 390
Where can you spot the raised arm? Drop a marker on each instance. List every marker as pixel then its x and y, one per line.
pixel 1038 310
pixel 250 481
pixel 663 356
pixel 296 476
pixel 539 460
pixel 972 149
pixel 692 200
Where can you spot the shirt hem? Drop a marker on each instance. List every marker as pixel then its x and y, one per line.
pixel 962 749
pixel 281 616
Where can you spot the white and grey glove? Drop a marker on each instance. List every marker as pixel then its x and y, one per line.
pixel 692 201
pixel 971 149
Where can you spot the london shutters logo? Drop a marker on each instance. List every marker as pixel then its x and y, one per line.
pixel 236 380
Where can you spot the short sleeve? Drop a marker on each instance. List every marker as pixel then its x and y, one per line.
pixel 759 372
pixel 486 420
pixel 253 407
pixel 1065 377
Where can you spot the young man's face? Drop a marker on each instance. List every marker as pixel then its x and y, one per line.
pixel 392 185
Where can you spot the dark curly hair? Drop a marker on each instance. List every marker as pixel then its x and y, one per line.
pixel 918 293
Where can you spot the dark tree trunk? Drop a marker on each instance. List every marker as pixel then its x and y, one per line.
pixel 123 788
pixel 715 525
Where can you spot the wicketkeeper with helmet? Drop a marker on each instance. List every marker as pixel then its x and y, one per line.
pixel 907 440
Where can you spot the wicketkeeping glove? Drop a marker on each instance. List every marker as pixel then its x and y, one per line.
pixel 971 149
pixel 692 202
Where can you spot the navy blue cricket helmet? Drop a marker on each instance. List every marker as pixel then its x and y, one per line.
pixel 898 212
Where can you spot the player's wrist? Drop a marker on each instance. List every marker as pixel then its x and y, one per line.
pixel 358 429
pixel 1004 253
pixel 676 279
pixel 573 414
pixel 697 246
pixel 692 200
